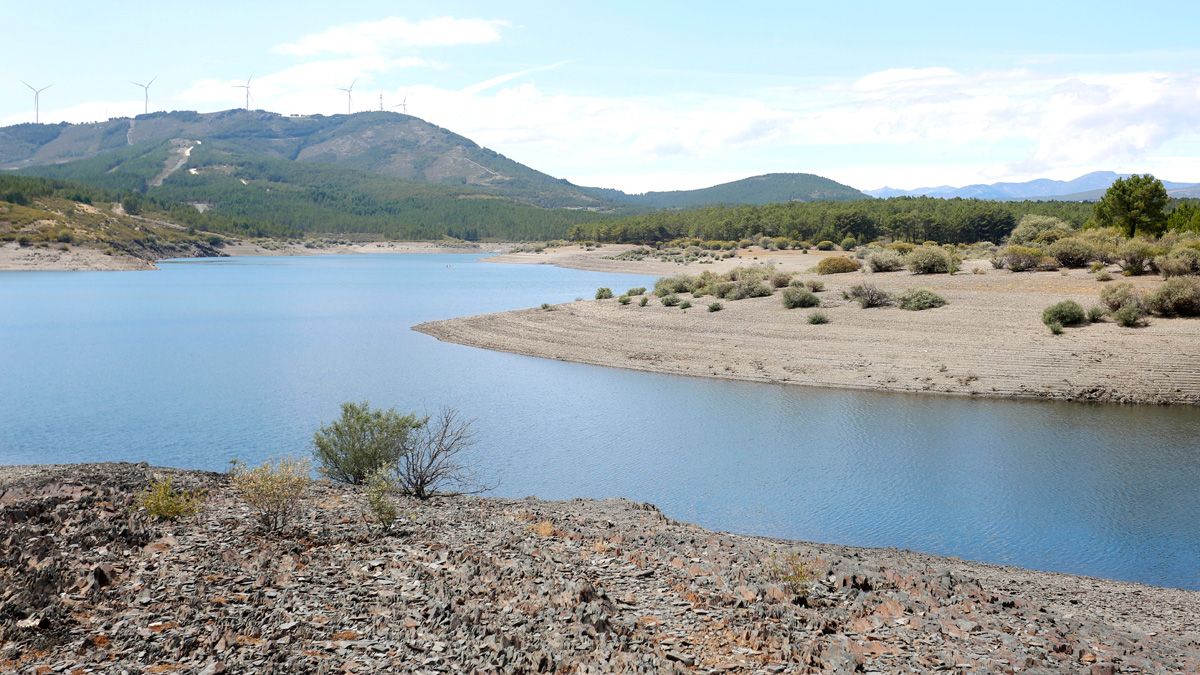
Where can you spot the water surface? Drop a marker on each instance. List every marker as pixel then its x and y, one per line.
pixel 207 360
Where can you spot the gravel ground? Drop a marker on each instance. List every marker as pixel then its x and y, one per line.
pixel 89 584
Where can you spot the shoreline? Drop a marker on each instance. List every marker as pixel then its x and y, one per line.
pixel 569 582
pixel 987 342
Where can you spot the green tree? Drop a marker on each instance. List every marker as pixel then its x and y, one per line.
pixel 363 442
pixel 1136 205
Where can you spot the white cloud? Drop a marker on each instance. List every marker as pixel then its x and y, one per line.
pixel 374 37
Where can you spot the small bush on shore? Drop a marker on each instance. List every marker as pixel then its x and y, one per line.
pixel 379 498
pixel 817 318
pixel 1064 313
pixel 603 293
pixel 644 301
pixel 885 260
pixel 634 292
pixel 669 300
pixel 917 299
pixel 1118 295
pixel 434 459
pixel 791 571
pixel 686 304
pixel 161 500
pixel 1177 296
pixel 362 441
pixel 929 260
pixel 273 490
pixel 547 307
pixel 796 296
pixel 715 307
pixel 869 295
pixel 838 265
pixel 674 285
pixel 745 288
pixel 624 299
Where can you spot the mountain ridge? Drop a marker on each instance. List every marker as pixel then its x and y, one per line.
pixel 1088 187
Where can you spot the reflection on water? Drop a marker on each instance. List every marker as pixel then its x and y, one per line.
pixel 207 360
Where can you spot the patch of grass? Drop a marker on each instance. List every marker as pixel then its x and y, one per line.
pixel 715 307
pixel 817 318
pixel 918 299
pixel 634 292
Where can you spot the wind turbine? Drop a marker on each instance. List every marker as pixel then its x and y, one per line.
pixel 247 88
pixel 349 95
pixel 146 87
pixel 403 105
pixel 37 106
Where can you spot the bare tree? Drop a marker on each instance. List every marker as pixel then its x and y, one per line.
pixel 433 461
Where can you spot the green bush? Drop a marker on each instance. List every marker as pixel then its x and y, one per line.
pixel 1104 275
pixel 362 442
pixel 885 260
pixel 817 318
pixel 624 299
pixel 815 285
pixel 795 296
pixel 869 295
pixel 1133 255
pixel 546 307
pixel 673 285
pixel 825 245
pixel 715 307
pixel 1020 258
pixel 746 288
pixel 1072 252
pixel 1055 327
pixel 837 265
pixel 669 300
pixel 1064 313
pixel 929 260
pixel 1129 316
pixel 644 301
pixel 1039 229
pixel 1181 261
pixel 902 247
pixel 634 292
pixel 379 494
pixel 1096 314
pixel 1117 296
pixel 917 299
pixel 161 500
pixel 685 305
pixel 849 243
pixel 1177 296
pixel 603 293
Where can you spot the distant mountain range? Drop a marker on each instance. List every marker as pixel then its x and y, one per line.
pixel 1088 187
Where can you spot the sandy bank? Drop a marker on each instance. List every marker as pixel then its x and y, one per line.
pixel 988 341
pixel 76 258
pixel 88 581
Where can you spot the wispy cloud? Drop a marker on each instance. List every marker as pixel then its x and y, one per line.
pixel 508 77
pixel 375 37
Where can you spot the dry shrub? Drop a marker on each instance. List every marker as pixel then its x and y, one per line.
pixel 1117 296
pixel 164 502
pixel 1177 296
pixel 869 295
pixel 929 260
pixel 885 261
pixel 798 296
pixel 838 265
pixel 274 490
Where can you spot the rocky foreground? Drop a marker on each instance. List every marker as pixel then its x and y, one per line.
pixel 88 583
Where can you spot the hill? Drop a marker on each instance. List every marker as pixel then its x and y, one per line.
pixel 1088 187
pixel 770 188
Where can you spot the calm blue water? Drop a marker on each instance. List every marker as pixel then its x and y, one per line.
pixel 210 359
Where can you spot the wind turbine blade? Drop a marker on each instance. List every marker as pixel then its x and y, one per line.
pixel 28 85
pixel 151 81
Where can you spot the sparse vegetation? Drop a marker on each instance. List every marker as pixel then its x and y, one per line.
pixel 379 495
pixel 1072 252
pixel 826 245
pixel 796 296
pixel 791 571
pixel 817 318
pixel 1019 258
pixel 1177 296
pixel 669 300
pixel 644 301
pixel 918 299
pixel 1056 328
pixel 434 459
pixel 929 260
pixel 274 490
pixel 1096 314
pixel 624 299
pixel 686 304
pixel 1128 316
pixel 161 500
pixel 603 293
pixel 869 295
pixel 715 307
pixel 1117 296
pixel 815 285
pixel 634 292
pixel 885 260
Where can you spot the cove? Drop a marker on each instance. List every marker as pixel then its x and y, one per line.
pixel 206 360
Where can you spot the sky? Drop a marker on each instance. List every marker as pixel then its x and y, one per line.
pixel 664 95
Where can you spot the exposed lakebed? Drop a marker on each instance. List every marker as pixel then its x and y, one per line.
pixel 206 360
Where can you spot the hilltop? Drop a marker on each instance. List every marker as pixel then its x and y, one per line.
pixel 1088 187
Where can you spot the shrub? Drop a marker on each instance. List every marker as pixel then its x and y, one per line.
pixel 837 265
pixel 379 498
pixel 434 461
pixel 1039 229
pixel 825 245
pixel 65 237
pixel 1072 252
pixel 1129 316
pixel 1118 295
pixel 546 307
pixel 885 261
pixel 672 285
pixel 603 293
pixel 746 288
pixel 795 296
pixel 869 295
pixel 1055 327
pixel 634 292
pixel 929 260
pixel 917 299
pixel 902 247
pixel 1182 260
pixel 1096 313
pixel 1104 275
pixel 1064 313
pixel 669 300
pixel 1020 258
pixel 273 490
pixel 780 279
pixel 644 301
pixel 161 500
pixel 686 304
pixel 817 318
pixel 1177 296
pixel 1134 254
pixel 715 307
pixel 849 243
pixel 362 442
pixel 791 571
pixel 624 299
pixel 815 285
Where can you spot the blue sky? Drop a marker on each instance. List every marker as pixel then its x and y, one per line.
pixel 666 95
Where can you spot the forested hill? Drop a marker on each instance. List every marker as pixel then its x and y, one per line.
pixel 771 188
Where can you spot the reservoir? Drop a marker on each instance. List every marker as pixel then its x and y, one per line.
pixel 207 360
